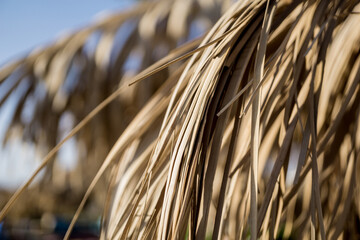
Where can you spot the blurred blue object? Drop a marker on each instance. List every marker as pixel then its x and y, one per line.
pixel 2 232
pixel 31 229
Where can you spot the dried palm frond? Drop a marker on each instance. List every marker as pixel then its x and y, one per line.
pixel 227 144
pixel 56 86
pixel 210 167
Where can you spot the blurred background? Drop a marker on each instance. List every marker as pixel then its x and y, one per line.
pixel 58 61
pixel 25 26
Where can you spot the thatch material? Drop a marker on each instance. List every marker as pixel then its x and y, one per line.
pixel 212 152
pixel 67 79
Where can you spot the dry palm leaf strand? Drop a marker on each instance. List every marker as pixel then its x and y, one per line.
pixel 180 164
pixel 255 119
pixel 139 78
pixel 146 73
pixel 66 52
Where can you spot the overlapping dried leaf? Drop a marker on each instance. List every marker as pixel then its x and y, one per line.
pixel 196 161
pixel 59 84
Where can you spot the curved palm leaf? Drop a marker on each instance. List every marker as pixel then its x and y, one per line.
pixel 61 83
pixel 215 163
pixel 215 148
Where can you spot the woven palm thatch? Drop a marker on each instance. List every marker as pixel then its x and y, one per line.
pixel 256 135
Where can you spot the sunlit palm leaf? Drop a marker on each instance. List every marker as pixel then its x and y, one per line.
pixel 56 86
pixel 195 160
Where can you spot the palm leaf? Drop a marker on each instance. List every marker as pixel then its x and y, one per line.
pixel 195 161
pixel 70 77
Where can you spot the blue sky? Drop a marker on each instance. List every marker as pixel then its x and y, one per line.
pixel 25 24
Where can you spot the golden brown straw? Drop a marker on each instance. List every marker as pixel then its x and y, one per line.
pixel 250 131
